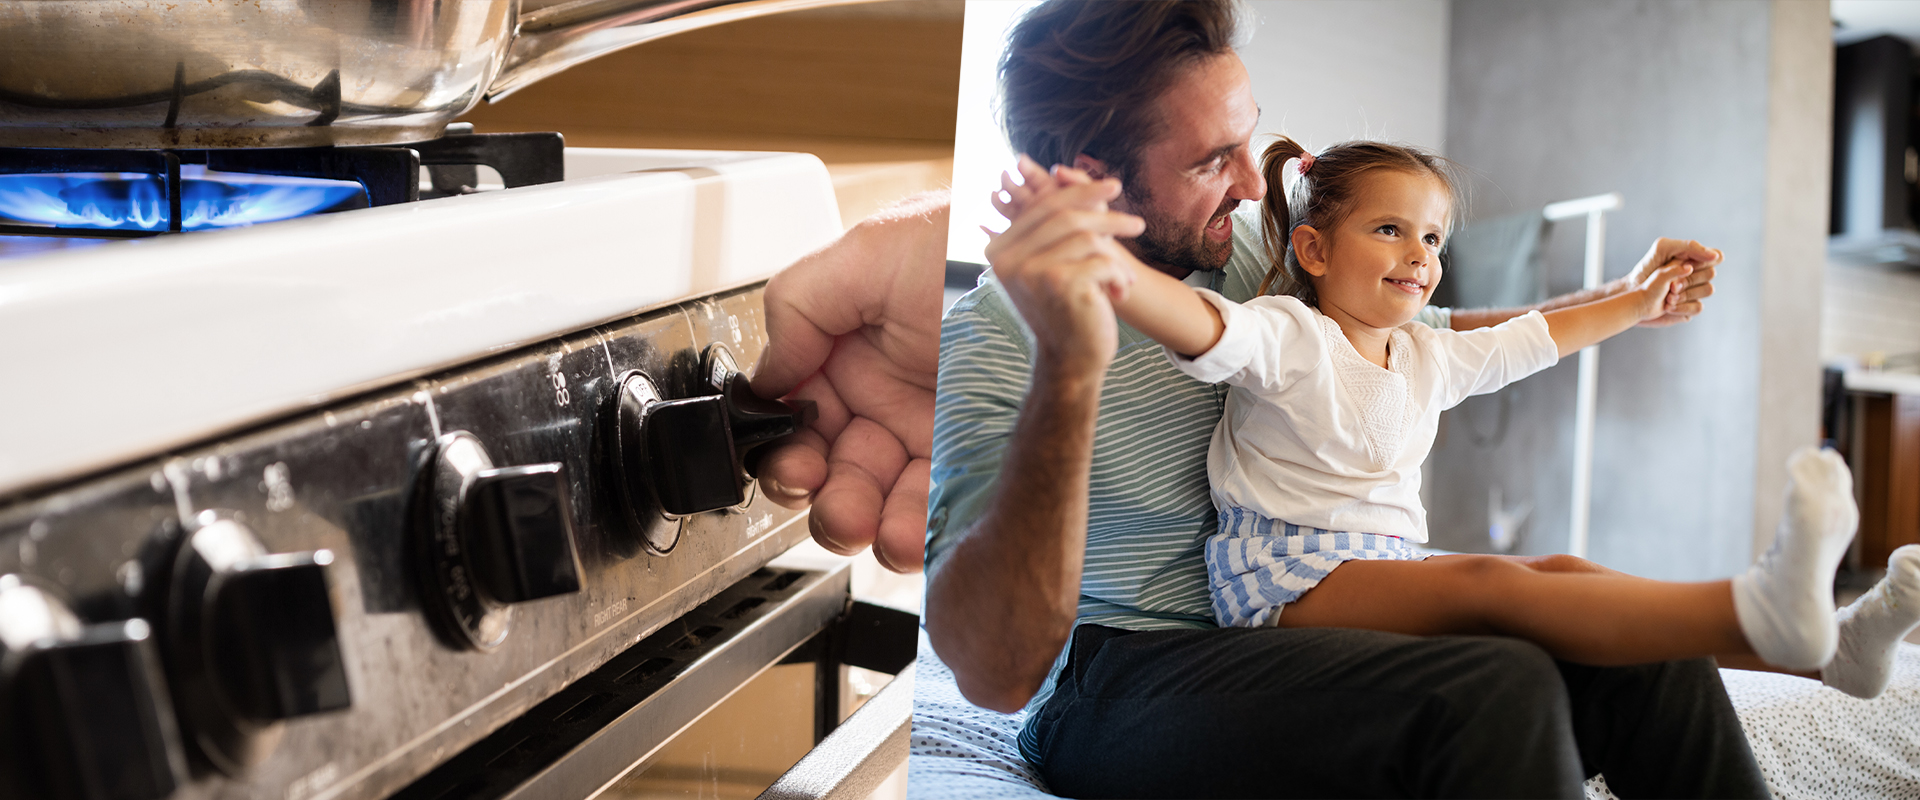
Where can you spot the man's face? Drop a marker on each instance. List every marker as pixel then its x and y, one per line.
pixel 1187 181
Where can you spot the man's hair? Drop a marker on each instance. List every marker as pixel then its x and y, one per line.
pixel 1081 76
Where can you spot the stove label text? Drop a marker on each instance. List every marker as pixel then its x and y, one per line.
pixel 279 486
pixel 561 396
pixel 600 617
pixel 307 785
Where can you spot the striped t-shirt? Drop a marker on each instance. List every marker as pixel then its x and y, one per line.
pixel 1149 512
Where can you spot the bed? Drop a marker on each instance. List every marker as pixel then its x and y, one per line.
pixel 1813 743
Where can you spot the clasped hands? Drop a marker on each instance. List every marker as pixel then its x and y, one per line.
pixel 1061 264
pixel 1685 297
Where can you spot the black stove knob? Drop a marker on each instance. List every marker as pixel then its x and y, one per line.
pixel 753 421
pixel 695 450
pixel 519 531
pixel 489 537
pixel 274 645
pixel 703 445
pixel 85 710
pixel 691 456
pixel 252 641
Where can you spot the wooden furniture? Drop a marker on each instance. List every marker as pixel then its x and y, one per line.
pixel 1886 466
pixel 869 89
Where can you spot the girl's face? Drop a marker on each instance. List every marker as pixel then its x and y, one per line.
pixel 1380 264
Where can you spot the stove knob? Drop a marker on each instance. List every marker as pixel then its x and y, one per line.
pixel 491 537
pixel 757 421
pixel 694 448
pixel 520 534
pixel 252 641
pixel 691 456
pixel 274 644
pixel 753 421
pixel 85 710
pixel 704 444
pixel 635 399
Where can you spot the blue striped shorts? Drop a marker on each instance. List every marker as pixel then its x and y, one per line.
pixel 1256 565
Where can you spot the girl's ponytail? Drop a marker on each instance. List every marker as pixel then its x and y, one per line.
pixel 1277 220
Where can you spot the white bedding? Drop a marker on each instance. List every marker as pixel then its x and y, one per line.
pixel 1813 743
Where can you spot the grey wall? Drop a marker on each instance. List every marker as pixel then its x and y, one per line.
pixel 1794 278
pixel 1668 104
pixel 1325 71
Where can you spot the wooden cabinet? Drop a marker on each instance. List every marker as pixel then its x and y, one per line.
pixel 871 89
pixel 1887 466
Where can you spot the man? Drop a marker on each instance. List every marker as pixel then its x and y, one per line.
pixel 1070 501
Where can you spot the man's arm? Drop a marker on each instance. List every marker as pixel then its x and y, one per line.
pixel 1002 601
pixel 1698 287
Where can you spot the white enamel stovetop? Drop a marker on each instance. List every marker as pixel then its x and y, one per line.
pixel 119 351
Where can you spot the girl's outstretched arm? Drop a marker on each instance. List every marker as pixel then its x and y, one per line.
pixel 1166 310
pixel 1690 300
pixel 1578 327
pixel 1170 312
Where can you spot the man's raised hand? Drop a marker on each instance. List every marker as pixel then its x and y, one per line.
pixel 1060 264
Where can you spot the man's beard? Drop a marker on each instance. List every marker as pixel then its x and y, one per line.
pixel 1166 243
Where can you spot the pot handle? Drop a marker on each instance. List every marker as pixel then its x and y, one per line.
pixel 556 37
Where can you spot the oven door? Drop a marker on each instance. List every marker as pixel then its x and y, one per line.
pixel 745 696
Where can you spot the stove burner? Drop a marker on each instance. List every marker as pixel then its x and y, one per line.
pixel 134 193
pixel 137 202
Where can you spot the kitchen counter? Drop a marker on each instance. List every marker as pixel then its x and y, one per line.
pixel 1873 381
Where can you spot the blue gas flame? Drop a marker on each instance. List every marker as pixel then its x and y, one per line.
pixel 138 202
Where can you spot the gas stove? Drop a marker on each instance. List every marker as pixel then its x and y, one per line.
pixel 356 504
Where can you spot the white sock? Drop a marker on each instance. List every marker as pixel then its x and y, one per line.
pixel 1785 601
pixel 1873 626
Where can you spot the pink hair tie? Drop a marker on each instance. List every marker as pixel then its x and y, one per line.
pixel 1306 162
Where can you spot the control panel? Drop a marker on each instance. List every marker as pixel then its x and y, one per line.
pixel 331 605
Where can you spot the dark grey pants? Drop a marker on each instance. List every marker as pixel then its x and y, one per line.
pixel 1330 712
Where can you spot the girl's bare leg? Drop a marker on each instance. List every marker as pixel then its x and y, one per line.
pixel 1560 562
pixel 1568 563
pixel 1780 610
pixel 1584 617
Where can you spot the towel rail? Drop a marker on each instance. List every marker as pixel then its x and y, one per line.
pixel 1586 388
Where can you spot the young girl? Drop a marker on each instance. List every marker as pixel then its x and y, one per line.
pixel 1334 402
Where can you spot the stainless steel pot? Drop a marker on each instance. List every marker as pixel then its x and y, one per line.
pixel 300 73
